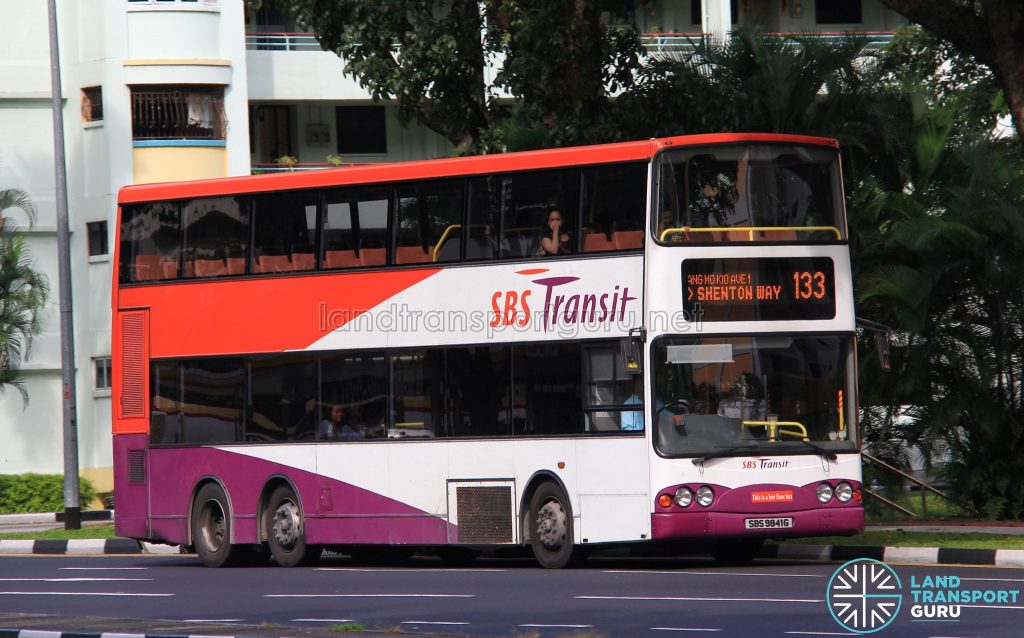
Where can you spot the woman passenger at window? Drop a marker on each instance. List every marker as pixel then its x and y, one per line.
pixel 553 241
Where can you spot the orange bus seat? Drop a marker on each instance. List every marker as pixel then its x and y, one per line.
pixel 303 261
pixel 628 239
pixel 210 268
pixel 372 256
pixel 340 259
pixel 597 242
pixel 170 268
pixel 411 255
pixel 273 263
pixel 147 267
pixel 236 265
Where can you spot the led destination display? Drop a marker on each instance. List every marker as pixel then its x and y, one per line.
pixel 759 289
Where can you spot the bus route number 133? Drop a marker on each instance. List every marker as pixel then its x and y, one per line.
pixel 807 285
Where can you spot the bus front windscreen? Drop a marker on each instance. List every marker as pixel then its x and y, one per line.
pixel 770 394
pixel 749 194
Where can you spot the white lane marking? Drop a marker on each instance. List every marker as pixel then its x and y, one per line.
pixel 84 593
pixel 103 568
pixel 687 573
pixel 705 600
pixel 322 620
pixel 683 629
pixel 199 620
pixel 390 569
pixel 820 633
pixel 368 595
pixel 560 626
pixel 432 622
pixel 71 580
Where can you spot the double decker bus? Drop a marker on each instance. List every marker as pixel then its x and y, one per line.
pixel 385 356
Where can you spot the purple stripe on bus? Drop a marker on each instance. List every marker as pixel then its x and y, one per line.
pixel 337 512
pixel 696 524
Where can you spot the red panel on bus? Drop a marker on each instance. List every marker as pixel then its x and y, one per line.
pixel 271 314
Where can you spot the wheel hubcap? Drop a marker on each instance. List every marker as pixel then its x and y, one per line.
pixel 287 524
pixel 213 525
pixel 551 527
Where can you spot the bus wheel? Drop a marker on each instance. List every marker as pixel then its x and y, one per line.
pixel 286 530
pixel 551 533
pixel 211 528
pixel 736 552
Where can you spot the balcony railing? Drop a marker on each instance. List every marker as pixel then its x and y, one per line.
pixel 258 169
pixel 654 43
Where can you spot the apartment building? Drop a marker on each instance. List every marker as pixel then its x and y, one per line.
pixel 165 90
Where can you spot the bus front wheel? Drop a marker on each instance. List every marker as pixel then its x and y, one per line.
pixel 286 530
pixel 551 527
pixel 211 528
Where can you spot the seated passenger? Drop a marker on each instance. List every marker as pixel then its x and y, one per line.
pixel 552 240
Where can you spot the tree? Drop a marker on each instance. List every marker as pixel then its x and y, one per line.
pixel 431 58
pixel 23 293
pixel 992 31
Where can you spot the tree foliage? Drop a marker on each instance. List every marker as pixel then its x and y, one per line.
pixel 23 293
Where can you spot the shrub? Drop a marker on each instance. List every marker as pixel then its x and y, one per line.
pixel 39 492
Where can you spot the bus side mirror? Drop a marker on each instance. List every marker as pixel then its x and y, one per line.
pixel 630 349
pixel 882 346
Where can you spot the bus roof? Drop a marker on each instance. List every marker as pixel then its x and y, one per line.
pixel 447 167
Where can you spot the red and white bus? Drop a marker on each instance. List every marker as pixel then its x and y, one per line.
pixel 384 356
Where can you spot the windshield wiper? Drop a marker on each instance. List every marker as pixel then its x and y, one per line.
pixel 828 454
pixel 700 460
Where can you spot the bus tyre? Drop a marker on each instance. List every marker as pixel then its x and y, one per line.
pixel 551 527
pixel 286 530
pixel 736 552
pixel 211 528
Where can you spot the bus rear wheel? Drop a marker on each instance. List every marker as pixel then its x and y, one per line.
pixel 551 528
pixel 286 530
pixel 211 528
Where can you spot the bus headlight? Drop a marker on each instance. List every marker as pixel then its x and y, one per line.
pixel 844 492
pixel 705 495
pixel 824 492
pixel 684 497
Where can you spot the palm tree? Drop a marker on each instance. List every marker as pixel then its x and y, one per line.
pixel 23 293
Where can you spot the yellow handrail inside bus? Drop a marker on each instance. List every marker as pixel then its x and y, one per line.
pixel 777 429
pixel 751 229
pixel 444 238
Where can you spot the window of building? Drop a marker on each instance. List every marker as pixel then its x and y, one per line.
pixel 284 232
pixel 361 129
pixel 612 201
pixel 97 232
pixel 356 227
pixel 101 366
pixel 184 112
pixel 92 104
pixel 216 236
pixel 838 12
pixel 697 11
pixel 429 222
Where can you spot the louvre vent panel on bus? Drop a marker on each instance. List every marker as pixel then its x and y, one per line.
pixel 136 466
pixel 132 366
pixel 485 514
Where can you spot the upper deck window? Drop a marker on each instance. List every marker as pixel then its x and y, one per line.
pixel 749 193
pixel 216 236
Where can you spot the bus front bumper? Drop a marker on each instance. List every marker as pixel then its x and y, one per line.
pixel 826 521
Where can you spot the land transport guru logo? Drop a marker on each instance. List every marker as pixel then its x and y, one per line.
pixel 865 595
pixel 516 307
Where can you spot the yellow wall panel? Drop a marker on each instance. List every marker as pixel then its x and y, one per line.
pixel 178 163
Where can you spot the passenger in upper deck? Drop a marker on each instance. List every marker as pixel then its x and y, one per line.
pixel 553 241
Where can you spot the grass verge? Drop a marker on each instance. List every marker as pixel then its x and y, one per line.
pixel 87 531
pixel 901 538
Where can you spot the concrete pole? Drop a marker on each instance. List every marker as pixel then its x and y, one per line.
pixel 716 18
pixel 72 511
